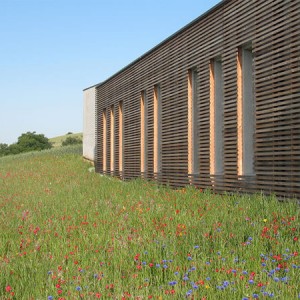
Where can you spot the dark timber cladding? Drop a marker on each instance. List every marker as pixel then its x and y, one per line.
pixel 216 105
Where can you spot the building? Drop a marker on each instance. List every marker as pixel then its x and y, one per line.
pixel 89 123
pixel 217 104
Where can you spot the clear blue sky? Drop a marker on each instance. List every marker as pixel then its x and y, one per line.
pixel 50 50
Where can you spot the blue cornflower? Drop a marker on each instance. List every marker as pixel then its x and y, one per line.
pixel 245 272
pixel 165 266
pixel 172 283
pixel 219 253
pixel 157 265
pixel 208 263
pixel 193 268
pixel 188 293
pixel 276 279
pixel 245 298
pixel 189 258
pixel 78 288
pixel 251 281
pixel 196 247
pixel 176 273
pixel 195 286
pixel 207 278
pixel 255 296
pixel 50 298
pixel 284 279
pixel 185 278
pixel 226 283
pixel 144 263
pixel 263 264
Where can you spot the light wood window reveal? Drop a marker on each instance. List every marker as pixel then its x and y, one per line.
pixel 216 117
pixel 121 138
pixel 157 130
pixel 193 160
pixel 143 133
pixel 112 139
pixel 104 142
pixel 245 111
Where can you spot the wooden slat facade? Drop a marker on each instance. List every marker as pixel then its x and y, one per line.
pixel 272 29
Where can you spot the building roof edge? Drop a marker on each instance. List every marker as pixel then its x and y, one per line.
pixel 190 24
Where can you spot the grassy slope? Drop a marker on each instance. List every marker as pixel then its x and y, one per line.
pixel 59 139
pixel 67 232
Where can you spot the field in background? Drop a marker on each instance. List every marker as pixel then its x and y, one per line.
pixel 69 233
pixel 59 139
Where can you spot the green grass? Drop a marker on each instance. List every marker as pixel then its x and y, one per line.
pixel 56 141
pixel 68 233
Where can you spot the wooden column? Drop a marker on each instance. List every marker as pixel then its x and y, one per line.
pixel 240 111
pixel 192 123
pixel 121 136
pixel 112 139
pixel 143 132
pixel 157 131
pixel 104 141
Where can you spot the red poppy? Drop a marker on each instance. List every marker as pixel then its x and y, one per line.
pixel 8 288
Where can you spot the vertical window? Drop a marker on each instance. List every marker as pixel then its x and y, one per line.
pixel 121 136
pixel 157 130
pixel 112 139
pixel 143 132
pixel 104 141
pixel 216 117
pixel 193 164
pixel 245 112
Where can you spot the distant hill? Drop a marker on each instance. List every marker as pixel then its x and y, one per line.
pixel 56 141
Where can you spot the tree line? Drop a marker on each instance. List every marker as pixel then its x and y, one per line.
pixel 31 141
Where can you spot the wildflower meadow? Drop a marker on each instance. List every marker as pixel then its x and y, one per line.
pixel 69 233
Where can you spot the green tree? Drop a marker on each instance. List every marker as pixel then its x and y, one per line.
pixel 3 149
pixel 31 141
pixel 71 141
pixel 13 149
